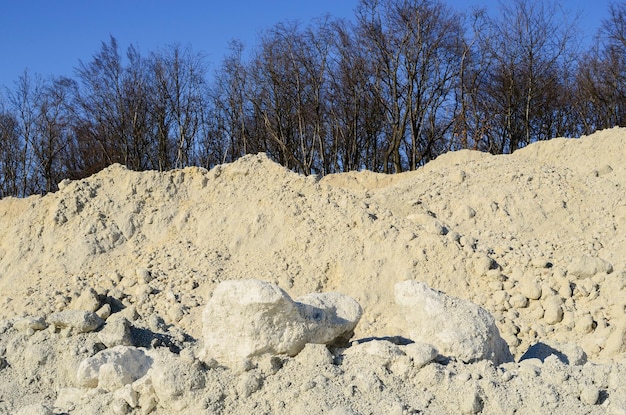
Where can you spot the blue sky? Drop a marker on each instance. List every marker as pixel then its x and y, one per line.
pixel 50 37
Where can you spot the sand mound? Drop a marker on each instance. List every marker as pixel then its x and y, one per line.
pixel 535 238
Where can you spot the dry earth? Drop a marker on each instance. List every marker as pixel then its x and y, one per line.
pixel 124 262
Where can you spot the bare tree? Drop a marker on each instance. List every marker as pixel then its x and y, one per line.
pixel 314 59
pixel 386 47
pixel 231 105
pixel 415 47
pixel 181 79
pixel 52 142
pixel 160 116
pixel 529 45
pixel 278 96
pixel 471 122
pixel 136 111
pixel 10 151
pixel 355 111
pixel 24 101
pixel 104 138
pixel 601 78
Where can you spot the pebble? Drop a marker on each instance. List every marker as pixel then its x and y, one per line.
pixel 471 402
pixel 531 290
pixel 553 312
pixel 584 324
pixel 143 275
pixel 589 395
pixel 88 301
pixel 82 321
pixel 30 323
pixel 518 301
pixel 104 312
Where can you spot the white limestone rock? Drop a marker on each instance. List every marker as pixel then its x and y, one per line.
pixel 88 300
pixel 378 352
pixel 128 395
pixel 616 342
pixel 315 355
pixel 169 382
pixel 531 290
pixel 553 311
pixel 247 318
pixel 455 327
pixel 330 317
pixel 116 332
pixel 589 394
pixel 81 321
pixel 420 353
pixel 586 267
pixel 32 323
pixel 113 368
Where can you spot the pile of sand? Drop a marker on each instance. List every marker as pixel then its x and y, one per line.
pixel 128 260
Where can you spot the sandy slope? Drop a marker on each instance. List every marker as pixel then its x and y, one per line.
pixel 537 238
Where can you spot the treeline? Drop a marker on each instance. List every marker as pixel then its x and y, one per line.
pixel 400 84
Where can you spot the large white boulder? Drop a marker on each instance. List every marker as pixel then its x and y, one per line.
pixel 247 318
pixel 457 328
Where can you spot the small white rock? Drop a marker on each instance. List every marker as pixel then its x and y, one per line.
pixel 104 312
pixel 143 275
pixel 531 290
pixel 82 321
pixel 128 394
pixel 586 266
pixel 518 301
pixel 420 353
pixel 32 323
pixel 589 395
pixel 584 324
pixel 113 368
pixel 88 300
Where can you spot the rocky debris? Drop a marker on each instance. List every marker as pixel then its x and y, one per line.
pixel 541 252
pixel 248 318
pixel 455 327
